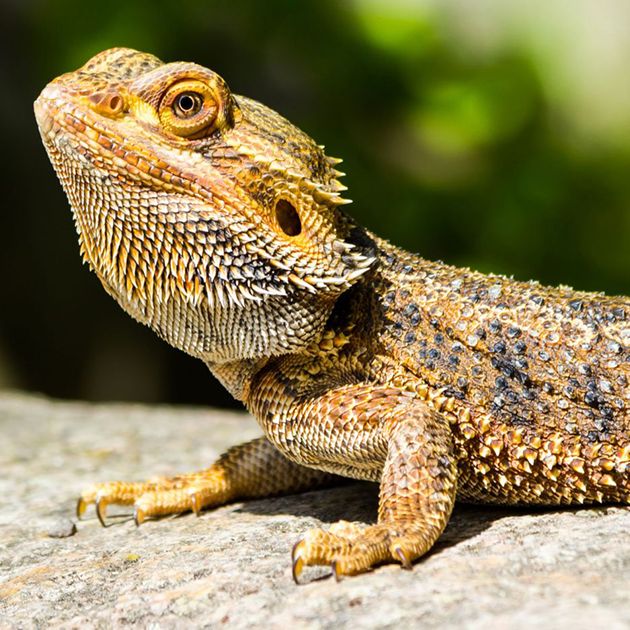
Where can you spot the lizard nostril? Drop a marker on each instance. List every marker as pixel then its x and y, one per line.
pixel 288 218
pixel 108 104
pixel 115 103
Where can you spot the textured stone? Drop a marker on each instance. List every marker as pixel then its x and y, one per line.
pixel 493 567
pixel 61 528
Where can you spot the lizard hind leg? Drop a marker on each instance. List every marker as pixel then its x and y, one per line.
pixel 417 494
pixel 250 470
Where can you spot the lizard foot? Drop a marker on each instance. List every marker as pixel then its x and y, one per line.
pixel 350 548
pixel 161 497
pixel 254 469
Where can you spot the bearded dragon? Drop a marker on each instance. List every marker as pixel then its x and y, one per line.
pixel 216 222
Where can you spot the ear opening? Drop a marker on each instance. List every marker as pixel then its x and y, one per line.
pixel 288 218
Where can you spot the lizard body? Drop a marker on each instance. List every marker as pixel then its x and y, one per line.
pixel 213 220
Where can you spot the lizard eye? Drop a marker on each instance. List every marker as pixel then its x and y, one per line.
pixel 189 109
pixel 187 104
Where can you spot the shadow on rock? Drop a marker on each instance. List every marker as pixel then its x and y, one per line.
pixel 358 501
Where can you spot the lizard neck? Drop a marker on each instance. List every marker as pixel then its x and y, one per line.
pixel 237 376
pixel 323 315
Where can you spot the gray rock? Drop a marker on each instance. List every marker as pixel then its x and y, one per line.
pixel 492 568
pixel 61 528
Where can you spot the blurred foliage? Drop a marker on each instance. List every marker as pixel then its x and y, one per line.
pixel 492 134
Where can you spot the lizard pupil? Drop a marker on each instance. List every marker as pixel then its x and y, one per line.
pixel 188 104
pixel 288 218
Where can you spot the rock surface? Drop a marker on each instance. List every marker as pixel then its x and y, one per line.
pixel 493 568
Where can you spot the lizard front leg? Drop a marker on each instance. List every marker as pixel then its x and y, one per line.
pixel 377 433
pixel 251 470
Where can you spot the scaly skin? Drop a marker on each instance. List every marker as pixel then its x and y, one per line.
pixel 216 222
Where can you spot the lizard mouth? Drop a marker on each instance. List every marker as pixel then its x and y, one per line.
pixel 50 109
pixel 58 125
pixel 73 131
pixel 42 114
pixel 128 233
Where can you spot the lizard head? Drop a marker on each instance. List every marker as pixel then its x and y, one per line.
pixel 207 215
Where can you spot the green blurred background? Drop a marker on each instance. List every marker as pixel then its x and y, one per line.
pixel 492 134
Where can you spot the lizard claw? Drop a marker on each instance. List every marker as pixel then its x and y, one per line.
pixel 297 562
pixel 81 507
pixel 138 516
pixel 405 560
pixel 335 570
pixel 195 504
pixel 101 508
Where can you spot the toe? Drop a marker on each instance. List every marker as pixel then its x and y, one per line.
pixel 349 548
